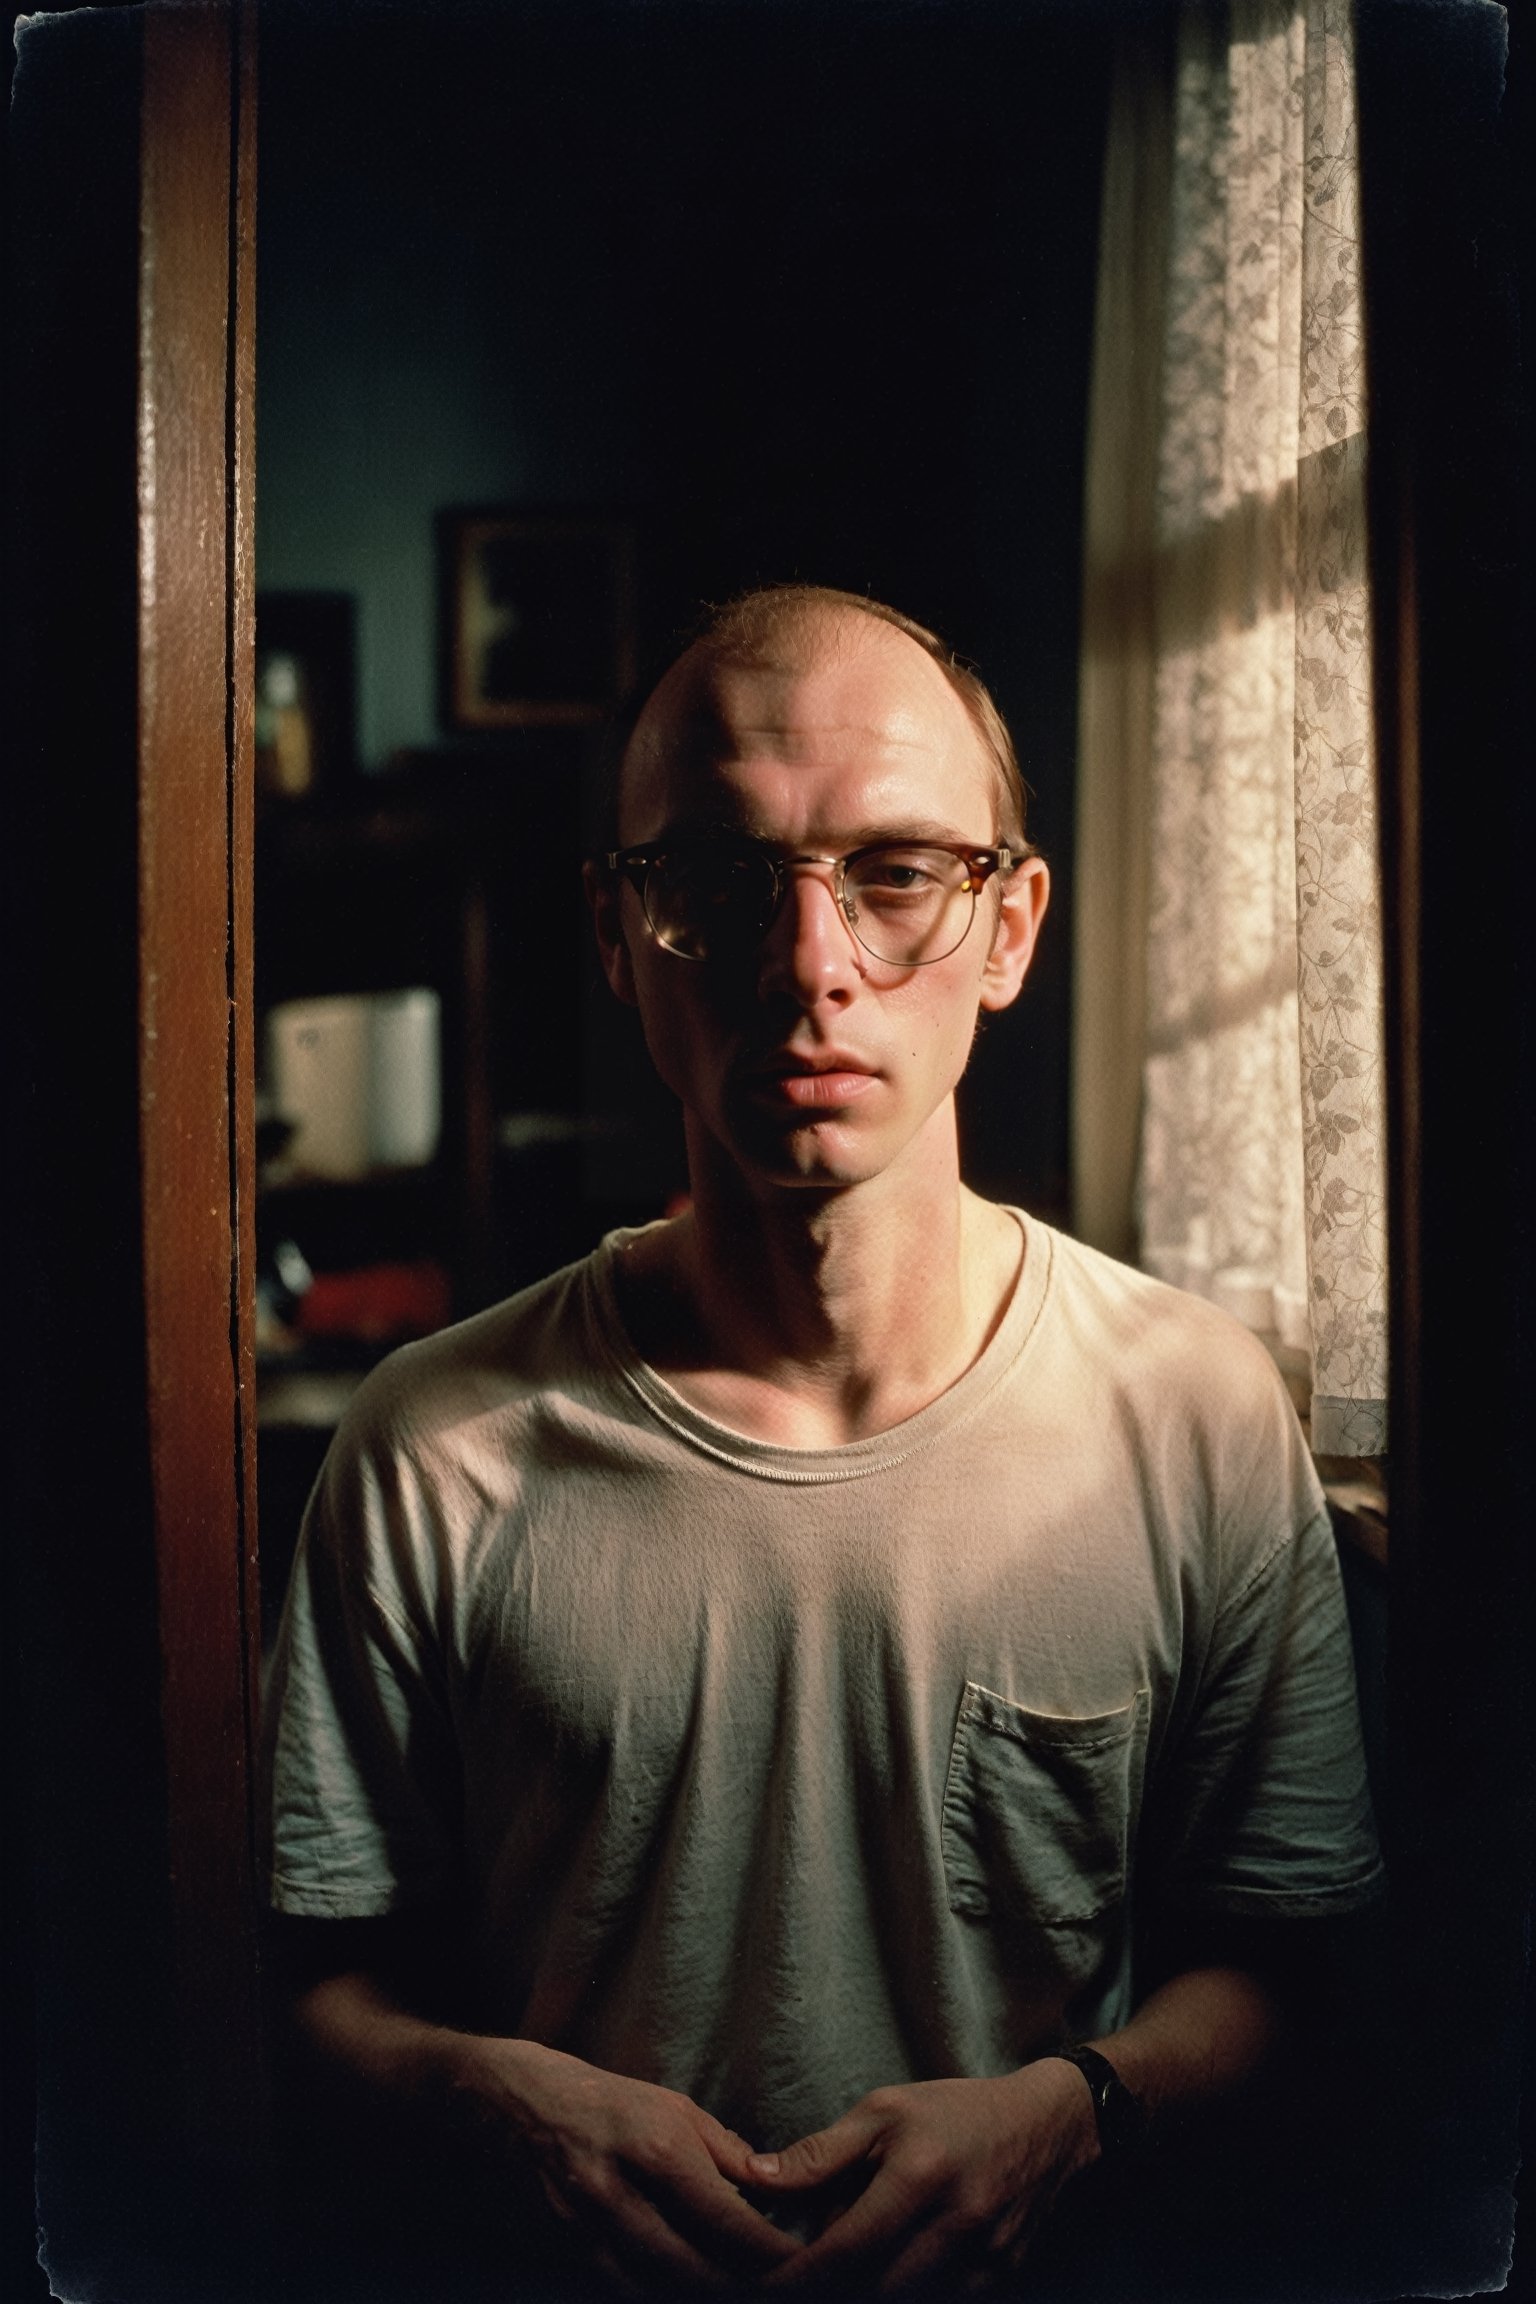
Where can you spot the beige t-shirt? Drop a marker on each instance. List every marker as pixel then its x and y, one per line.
pixel 776 1775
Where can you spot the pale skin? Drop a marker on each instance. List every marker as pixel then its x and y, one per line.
pixel 832 1277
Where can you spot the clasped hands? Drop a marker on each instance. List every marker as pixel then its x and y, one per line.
pixel 930 2178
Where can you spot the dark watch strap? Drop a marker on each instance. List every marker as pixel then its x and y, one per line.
pixel 1121 2116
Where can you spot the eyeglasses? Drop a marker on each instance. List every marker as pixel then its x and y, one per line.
pixel 909 903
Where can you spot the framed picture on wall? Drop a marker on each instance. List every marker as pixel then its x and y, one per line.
pixel 538 623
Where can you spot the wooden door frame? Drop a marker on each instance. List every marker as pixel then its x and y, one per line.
pixel 195 438
pixel 131 1977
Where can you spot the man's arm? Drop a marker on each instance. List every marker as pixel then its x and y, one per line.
pixel 957 2175
pixel 645 2178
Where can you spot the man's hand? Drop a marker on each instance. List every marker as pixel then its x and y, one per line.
pixel 644 2181
pixel 957 2174
pixel 647 2179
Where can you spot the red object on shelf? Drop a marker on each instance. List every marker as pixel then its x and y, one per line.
pixel 382 1303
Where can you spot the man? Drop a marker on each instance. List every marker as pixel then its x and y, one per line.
pixel 793 1647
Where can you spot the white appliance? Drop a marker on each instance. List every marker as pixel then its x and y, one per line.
pixel 359 1076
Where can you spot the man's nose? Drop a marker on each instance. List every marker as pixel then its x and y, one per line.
pixel 810 950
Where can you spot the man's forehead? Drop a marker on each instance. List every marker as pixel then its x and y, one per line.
pixel 869 701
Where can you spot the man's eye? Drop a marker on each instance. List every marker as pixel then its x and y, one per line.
pixel 901 873
pixel 722 877
pixel 715 881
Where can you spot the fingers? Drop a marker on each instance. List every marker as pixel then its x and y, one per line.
pixel 859 2240
pixel 900 2237
pixel 647 2177
pixel 634 2242
pixel 667 2219
pixel 616 2281
pixel 960 2253
pixel 942 2246
pixel 703 2203
pixel 815 2159
pixel 650 2247
pixel 731 2154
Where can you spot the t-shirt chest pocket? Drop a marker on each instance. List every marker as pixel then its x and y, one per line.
pixel 1039 1810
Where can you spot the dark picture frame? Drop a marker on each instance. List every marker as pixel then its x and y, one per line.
pixel 538 617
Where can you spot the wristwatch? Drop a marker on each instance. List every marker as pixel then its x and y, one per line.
pixel 1121 2116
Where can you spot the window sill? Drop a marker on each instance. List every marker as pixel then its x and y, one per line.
pixel 1355 1486
pixel 1356 1489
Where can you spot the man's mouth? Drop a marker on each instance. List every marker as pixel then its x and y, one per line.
pixel 811 1083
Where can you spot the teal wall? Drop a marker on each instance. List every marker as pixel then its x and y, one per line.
pixel 420 345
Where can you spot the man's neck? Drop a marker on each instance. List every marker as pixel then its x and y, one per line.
pixel 812 1318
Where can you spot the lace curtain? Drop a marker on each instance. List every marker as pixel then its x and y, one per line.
pixel 1227 818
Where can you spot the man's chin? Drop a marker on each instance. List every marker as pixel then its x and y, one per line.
pixel 817 1153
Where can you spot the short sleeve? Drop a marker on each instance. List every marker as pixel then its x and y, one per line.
pixel 1267 1805
pixel 364 1782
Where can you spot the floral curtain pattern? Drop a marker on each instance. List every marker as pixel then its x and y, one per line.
pixel 1343 1087
pixel 1262 1158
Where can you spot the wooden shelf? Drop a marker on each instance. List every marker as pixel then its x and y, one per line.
pixel 459 871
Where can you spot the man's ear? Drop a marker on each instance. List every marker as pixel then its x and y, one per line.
pixel 1025 896
pixel 605 894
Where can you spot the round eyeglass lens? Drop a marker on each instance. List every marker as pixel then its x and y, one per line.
pixel 909 905
pixel 710 899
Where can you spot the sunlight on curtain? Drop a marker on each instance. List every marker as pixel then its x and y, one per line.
pixel 1260 1179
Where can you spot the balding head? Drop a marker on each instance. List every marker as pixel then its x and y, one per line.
pixel 788 628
